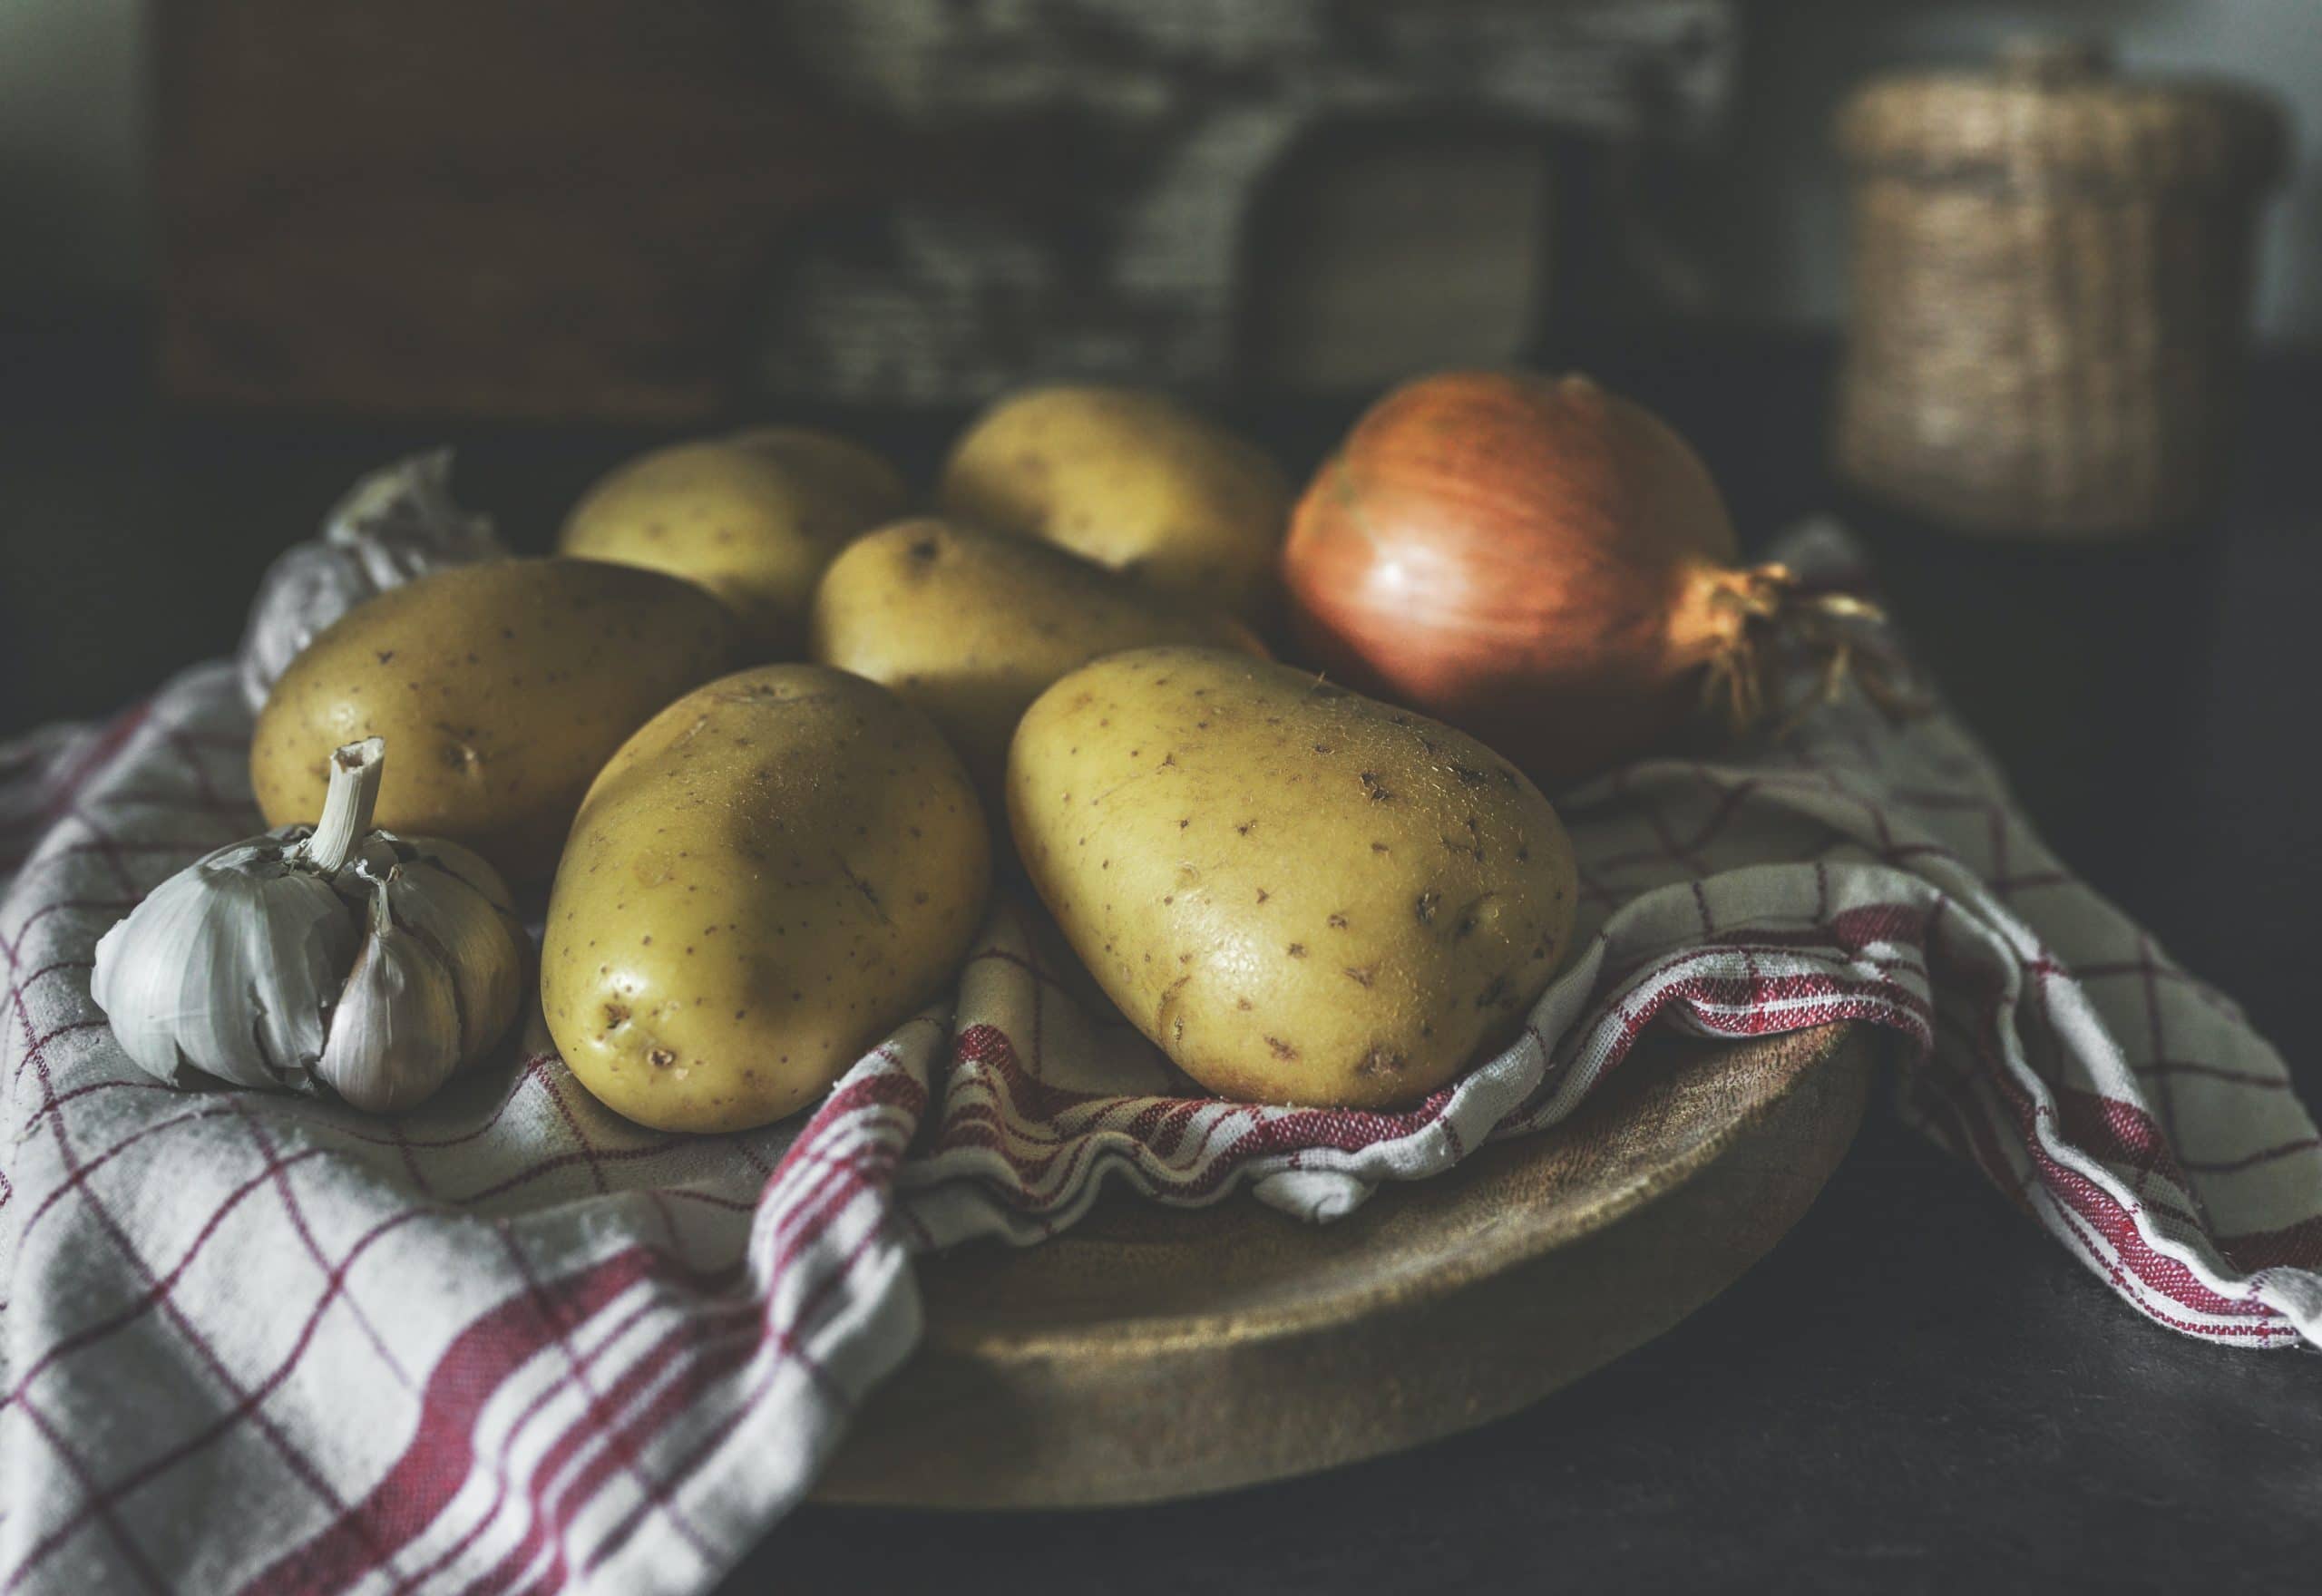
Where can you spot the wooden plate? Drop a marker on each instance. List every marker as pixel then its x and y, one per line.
pixel 1153 1353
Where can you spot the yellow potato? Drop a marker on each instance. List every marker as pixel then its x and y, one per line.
pixel 772 875
pixel 500 688
pixel 752 517
pixel 1132 480
pixel 971 626
pixel 1300 894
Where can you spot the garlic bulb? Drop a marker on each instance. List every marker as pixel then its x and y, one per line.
pixel 254 964
pixel 398 523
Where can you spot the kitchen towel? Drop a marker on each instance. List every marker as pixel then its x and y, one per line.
pixel 510 1342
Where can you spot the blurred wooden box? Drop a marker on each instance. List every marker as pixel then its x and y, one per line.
pixel 655 209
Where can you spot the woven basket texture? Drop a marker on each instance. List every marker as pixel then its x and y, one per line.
pixel 2050 281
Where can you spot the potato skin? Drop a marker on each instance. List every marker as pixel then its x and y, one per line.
pixel 500 688
pixel 1132 480
pixel 971 626
pixel 1300 894
pixel 773 874
pixel 753 516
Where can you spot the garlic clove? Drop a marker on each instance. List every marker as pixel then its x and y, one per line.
pixel 450 896
pixel 278 973
pixel 395 1036
pixel 470 937
pixel 141 964
pixel 447 855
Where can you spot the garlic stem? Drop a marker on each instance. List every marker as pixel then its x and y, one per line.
pixel 354 793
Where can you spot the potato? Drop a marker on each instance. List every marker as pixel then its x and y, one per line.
pixel 752 517
pixel 500 688
pixel 772 875
pixel 1300 894
pixel 971 626
pixel 1132 480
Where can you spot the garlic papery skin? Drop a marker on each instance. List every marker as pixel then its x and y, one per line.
pixel 240 966
pixel 395 1036
pixel 228 966
pixel 396 524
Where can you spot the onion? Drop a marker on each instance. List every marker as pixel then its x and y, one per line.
pixel 1535 560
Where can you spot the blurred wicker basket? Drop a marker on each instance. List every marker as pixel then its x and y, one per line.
pixel 2050 284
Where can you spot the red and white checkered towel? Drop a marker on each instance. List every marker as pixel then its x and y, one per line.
pixel 510 1342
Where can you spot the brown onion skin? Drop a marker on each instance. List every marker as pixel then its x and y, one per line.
pixel 1533 559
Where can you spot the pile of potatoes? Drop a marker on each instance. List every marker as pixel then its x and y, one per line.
pixel 766 731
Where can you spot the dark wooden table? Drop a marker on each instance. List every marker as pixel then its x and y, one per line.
pixel 1917 1390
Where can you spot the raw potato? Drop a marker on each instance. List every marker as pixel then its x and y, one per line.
pixel 500 690
pixel 1301 895
pixel 766 879
pixel 1132 480
pixel 971 626
pixel 752 517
